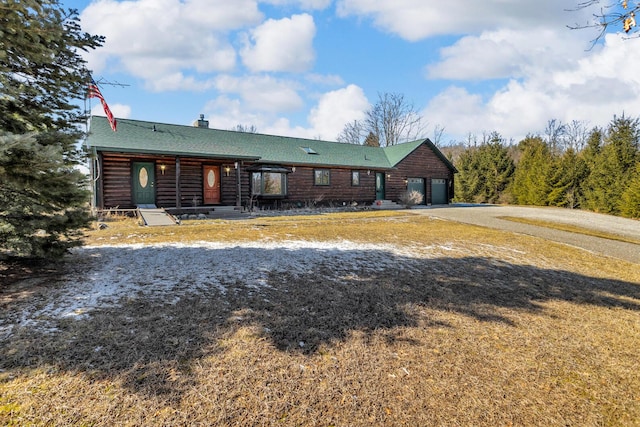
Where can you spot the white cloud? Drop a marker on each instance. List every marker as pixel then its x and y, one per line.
pixel 118 110
pixel 337 108
pixel 225 112
pixel 506 54
pixel 325 121
pixel 262 93
pixel 281 45
pixel 155 38
pixel 303 4
pixel 325 79
pixel 420 19
pixel 593 89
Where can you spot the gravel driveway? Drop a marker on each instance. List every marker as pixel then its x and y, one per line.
pixel 488 216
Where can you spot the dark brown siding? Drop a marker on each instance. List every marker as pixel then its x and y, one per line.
pixel 422 163
pixel 301 186
pixel 116 178
pixel 191 182
pixel 166 183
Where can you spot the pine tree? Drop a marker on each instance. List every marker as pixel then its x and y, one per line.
pixel 484 172
pixel 42 195
pixel 468 179
pixel 630 200
pixel 497 167
pixel 612 167
pixel 532 175
pixel 567 175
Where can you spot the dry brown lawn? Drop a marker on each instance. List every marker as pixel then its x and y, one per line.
pixel 495 329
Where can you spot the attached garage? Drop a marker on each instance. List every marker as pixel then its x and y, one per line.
pixel 417 184
pixel 439 192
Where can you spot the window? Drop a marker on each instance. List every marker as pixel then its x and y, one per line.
pixel 322 177
pixel 269 183
pixel 309 150
pixel 355 178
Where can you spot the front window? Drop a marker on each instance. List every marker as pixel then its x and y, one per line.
pixel 269 183
pixel 322 177
pixel 355 178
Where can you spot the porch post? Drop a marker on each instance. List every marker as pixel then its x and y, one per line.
pixel 100 183
pixel 238 185
pixel 178 186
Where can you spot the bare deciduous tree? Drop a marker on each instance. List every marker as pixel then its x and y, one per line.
pixel 246 128
pixel 392 120
pixel 612 16
pixel 555 132
pixel 352 133
pixel 438 131
pixel 576 134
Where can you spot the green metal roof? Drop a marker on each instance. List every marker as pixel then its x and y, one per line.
pixel 134 136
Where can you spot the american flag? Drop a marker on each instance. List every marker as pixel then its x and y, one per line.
pixel 94 92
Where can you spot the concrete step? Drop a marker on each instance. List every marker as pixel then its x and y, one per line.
pixel 386 204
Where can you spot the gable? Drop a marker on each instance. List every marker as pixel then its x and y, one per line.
pixel 398 153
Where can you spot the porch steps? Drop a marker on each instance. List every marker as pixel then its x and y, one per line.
pixel 155 216
pixel 386 205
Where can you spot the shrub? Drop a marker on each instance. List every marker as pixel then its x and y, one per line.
pixel 411 198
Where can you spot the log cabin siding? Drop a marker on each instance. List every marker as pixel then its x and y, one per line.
pixel 116 182
pixel 302 187
pixel 422 163
pixel 166 183
pixel 228 187
pixel 191 182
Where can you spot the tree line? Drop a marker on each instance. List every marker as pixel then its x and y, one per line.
pixel 597 170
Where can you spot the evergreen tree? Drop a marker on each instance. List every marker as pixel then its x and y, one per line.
pixel 42 196
pixel 484 172
pixel 630 200
pixel 497 167
pixel 372 140
pixel 468 178
pixel 565 181
pixel 612 167
pixel 532 175
pixel 590 155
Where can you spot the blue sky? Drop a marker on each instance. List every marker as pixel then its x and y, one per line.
pixel 306 67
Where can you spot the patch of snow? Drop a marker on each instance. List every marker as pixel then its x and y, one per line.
pixel 107 276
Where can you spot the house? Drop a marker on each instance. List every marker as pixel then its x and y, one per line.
pixel 181 168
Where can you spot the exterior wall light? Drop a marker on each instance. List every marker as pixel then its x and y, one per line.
pixel 163 168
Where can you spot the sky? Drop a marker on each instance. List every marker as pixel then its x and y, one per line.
pixel 305 68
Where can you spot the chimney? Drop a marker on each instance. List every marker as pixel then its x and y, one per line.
pixel 201 122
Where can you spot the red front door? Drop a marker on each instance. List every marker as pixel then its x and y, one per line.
pixel 211 176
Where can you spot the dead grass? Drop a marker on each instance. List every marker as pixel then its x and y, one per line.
pixel 572 229
pixel 506 330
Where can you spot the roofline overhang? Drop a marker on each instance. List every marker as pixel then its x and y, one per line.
pixel 172 153
pixel 326 165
